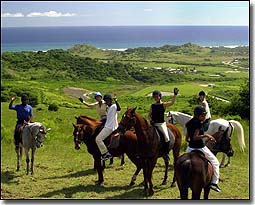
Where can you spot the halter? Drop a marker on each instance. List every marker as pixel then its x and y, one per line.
pixel 131 120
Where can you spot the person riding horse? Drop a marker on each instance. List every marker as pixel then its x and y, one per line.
pixel 111 124
pixel 24 116
pixel 100 105
pixel 156 115
pixel 195 135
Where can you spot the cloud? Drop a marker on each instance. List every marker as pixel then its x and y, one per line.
pixel 147 10
pixel 16 15
pixel 50 14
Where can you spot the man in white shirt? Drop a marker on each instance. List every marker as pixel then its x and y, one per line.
pixel 111 124
pixel 100 105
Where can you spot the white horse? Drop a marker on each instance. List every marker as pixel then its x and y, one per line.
pixel 32 136
pixel 214 126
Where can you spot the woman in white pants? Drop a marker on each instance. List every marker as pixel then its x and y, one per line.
pixel 195 135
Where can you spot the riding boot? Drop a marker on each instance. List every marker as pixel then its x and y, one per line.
pixel 167 147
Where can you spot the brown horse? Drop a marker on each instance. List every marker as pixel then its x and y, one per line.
pixel 127 144
pixel 192 170
pixel 149 144
pixel 82 119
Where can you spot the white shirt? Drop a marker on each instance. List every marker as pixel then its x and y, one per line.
pixel 207 109
pixel 111 119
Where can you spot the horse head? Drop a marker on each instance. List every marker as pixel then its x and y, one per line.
pixel 78 135
pixel 128 120
pixel 223 143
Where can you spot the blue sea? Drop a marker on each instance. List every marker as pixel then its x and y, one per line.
pixel 120 37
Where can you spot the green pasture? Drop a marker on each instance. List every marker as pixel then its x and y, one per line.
pixel 61 172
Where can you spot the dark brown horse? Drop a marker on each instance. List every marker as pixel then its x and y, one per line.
pixel 149 144
pixel 192 170
pixel 82 119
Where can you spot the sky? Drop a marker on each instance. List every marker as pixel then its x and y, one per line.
pixel 136 13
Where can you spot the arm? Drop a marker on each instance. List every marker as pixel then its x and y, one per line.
pixel 11 103
pixel 198 137
pixel 150 113
pixel 168 104
pixel 118 105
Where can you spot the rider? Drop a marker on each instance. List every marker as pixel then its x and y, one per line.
pixel 99 105
pixel 156 114
pixel 195 135
pixel 24 116
pixel 204 103
pixel 111 124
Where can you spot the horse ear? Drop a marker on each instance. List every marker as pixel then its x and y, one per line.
pixel 134 109
pixel 48 129
pixel 76 118
pixel 74 125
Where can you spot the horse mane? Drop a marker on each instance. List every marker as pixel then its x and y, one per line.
pixel 89 118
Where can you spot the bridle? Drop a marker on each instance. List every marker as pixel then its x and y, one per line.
pixel 131 120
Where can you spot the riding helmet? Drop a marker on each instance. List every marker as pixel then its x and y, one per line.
pixel 201 93
pixel 156 92
pixel 97 94
pixel 24 97
pixel 107 97
pixel 199 110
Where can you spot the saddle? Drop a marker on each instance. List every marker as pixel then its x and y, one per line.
pixel 202 156
pixel 162 138
pixel 114 140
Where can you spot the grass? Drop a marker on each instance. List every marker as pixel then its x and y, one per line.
pixel 61 172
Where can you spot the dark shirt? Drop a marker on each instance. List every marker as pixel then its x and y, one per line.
pixel 193 125
pixel 158 112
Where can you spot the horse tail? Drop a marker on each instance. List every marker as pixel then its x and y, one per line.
pixel 240 133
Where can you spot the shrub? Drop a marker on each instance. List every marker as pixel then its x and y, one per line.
pixel 53 107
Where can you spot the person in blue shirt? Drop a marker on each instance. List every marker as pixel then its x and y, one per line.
pixel 24 116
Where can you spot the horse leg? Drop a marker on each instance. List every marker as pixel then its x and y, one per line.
pixel 196 192
pixel 99 169
pixel 222 160
pixel 184 191
pixel 228 163
pixel 18 157
pixel 151 191
pixel 176 153
pixel 111 161
pixel 145 180
pixel 122 160
pixel 138 169
pixel 27 160
pixel 206 192
pixel 166 170
pixel 32 160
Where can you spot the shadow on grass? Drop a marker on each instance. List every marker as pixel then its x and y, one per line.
pixel 7 177
pixel 70 191
pixel 76 174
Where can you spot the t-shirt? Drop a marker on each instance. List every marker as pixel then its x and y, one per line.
pixel 157 114
pixel 193 125
pixel 111 118
pixel 208 113
pixel 101 110
pixel 24 112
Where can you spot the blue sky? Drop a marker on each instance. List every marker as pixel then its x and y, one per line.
pixel 82 13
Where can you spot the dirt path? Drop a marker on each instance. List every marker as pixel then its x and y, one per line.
pixel 77 92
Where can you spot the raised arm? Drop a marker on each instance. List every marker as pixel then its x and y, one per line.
pixel 116 102
pixel 87 104
pixel 11 103
pixel 168 104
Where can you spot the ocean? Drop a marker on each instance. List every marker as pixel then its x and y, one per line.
pixel 120 37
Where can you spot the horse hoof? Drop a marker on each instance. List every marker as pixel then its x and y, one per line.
pixel 17 169
pixel 151 192
pixel 163 183
pixel 142 184
pixel 173 185
pixel 98 182
pixel 132 183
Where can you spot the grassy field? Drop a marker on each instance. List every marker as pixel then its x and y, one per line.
pixel 61 172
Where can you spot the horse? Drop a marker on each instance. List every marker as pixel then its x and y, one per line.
pixel 127 144
pixel 192 170
pixel 82 119
pixel 227 126
pixel 32 137
pixel 149 144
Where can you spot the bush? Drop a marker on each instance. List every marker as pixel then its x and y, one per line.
pixel 53 107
